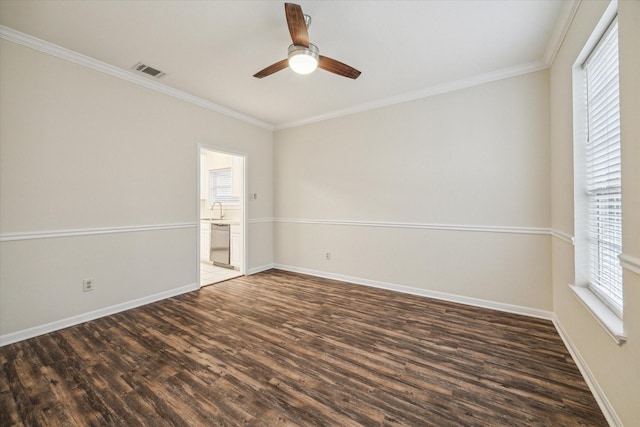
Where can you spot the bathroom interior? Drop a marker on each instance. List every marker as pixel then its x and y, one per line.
pixel 221 216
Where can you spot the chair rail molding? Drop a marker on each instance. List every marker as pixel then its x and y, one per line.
pixel 425 226
pixel 50 234
pixel 563 236
pixel 630 263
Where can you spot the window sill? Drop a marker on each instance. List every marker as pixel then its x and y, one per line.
pixel 611 323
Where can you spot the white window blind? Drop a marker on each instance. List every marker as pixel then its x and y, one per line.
pixel 221 188
pixel 603 177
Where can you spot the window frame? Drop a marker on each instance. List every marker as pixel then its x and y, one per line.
pixel 226 201
pixel 603 186
pixel 605 314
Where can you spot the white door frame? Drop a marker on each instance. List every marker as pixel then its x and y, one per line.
pixel 243 206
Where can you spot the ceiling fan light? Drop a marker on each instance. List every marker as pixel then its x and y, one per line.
pixel 303 60
pixel 303 64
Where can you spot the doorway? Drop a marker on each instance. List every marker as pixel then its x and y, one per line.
pixel 221 216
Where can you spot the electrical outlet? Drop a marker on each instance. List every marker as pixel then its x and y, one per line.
pixel 87 285
pixel 327 256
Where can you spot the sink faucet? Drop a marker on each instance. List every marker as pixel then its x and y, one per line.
pixel 214 204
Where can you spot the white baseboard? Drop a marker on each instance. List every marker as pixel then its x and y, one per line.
pixel 85 317
pixel 604 404
pixel 601 399
pixel 259 269
pixel 477 302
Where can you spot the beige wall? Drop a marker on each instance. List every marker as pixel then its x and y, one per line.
pixel 474 157
pixel 615 369
pixel 80 149
pixel 454 193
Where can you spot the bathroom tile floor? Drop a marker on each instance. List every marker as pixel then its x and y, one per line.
pixel 210 274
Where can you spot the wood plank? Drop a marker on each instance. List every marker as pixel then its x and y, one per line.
pixel 280 348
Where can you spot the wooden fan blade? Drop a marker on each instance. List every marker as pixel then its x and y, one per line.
pixel 280 65
pixel 297 26
pixel 338 67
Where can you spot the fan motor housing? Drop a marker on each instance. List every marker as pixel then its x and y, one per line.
pixel 312 51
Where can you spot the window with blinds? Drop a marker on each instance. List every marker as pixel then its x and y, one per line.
pixel 221 187
pixel 603 177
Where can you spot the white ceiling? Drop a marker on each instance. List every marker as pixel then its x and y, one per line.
pixel 211 49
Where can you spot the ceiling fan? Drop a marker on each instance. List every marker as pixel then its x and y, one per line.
pixel 304 57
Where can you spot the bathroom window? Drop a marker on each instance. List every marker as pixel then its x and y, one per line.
pixel 221 187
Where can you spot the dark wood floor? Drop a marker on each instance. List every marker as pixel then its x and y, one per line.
pixel 279 348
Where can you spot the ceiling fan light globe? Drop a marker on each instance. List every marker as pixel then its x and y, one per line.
pixel 303 64
pixel 303 60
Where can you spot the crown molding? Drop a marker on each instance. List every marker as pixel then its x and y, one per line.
pixel 422 93
pixel 560 30
pixel 29 41
pixel 567 13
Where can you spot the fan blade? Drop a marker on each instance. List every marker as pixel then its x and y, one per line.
pixel 297 26
pixel 273 68
pixel 338 67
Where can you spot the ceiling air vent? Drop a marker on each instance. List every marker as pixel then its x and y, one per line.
pixel 148 70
